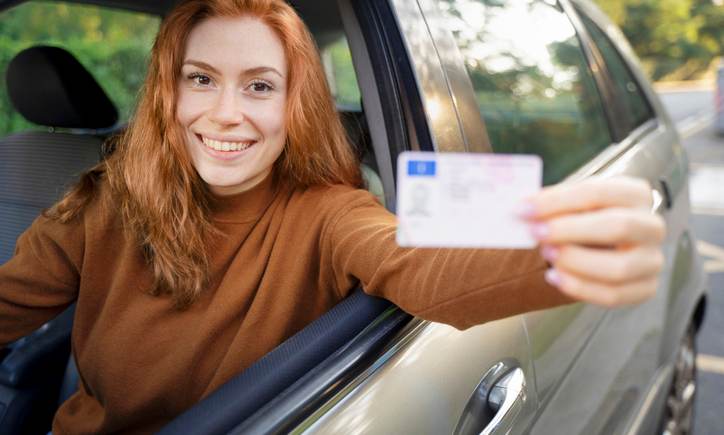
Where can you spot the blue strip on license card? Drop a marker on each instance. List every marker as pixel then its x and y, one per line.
pixel 421 168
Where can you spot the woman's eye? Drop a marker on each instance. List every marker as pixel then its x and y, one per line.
pixel 260 86
pixel 200 79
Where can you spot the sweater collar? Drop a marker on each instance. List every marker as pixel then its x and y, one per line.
pixel 245 206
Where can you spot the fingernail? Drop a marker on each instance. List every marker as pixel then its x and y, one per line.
pixel 525 209
pixel 550 253
pixel 553 278
pixel 540 231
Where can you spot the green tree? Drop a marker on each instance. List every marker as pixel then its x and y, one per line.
pixel 674 38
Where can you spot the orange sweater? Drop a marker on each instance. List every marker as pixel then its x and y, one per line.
pixel 288 257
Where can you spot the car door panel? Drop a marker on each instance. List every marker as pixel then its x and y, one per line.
pixel 557 336
pixel 603 389
pixel 428 376
pixel 622 380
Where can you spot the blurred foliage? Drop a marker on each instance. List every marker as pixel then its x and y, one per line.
pixel 340 74
pixel 112 44
pixel 534 90
pixel 675 39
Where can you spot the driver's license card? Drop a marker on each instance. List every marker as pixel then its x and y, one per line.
pixel 461 200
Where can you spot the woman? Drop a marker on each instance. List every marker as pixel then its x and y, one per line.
pixel 230 216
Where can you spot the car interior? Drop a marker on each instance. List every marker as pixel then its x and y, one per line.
pixel 49 87
pixel 36 167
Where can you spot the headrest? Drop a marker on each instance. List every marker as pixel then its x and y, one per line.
pixel 48 86
pixel 356 125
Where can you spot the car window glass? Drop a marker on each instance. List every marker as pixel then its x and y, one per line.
pixel 337 61
pixel 636 107
pixel 534 89
pixel 339 70
pixel 112 44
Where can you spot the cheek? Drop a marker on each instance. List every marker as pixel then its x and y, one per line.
pixel 188 108
pixel 274 120
pixel 182 109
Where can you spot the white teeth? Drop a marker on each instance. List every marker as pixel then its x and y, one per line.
pixel 225 146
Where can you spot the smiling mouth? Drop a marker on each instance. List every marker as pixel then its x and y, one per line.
pixel 219 145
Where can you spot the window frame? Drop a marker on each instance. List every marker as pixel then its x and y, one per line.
pixel 630 124
pixel 623 141
pixel 624 126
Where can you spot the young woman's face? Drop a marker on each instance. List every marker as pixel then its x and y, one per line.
pixel 231 101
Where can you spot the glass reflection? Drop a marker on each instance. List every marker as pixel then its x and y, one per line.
pixel 531 80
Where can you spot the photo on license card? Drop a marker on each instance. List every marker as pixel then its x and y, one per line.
pixel 462 200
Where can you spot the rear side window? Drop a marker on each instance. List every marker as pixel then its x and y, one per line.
pixel 635 105
pixel 113 45
pixel 338 67
pixel 532 82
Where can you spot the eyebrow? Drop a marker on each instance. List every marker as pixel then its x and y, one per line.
pixel 250 71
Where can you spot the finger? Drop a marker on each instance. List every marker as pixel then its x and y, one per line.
pixel 608 227
pixel 590 194
pixel 602 294
pixel 610 266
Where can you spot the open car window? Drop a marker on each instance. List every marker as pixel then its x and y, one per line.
pixel 337 61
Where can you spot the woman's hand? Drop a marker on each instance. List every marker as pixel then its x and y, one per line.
pixel 601 239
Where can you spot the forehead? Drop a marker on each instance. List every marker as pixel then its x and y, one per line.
pixel 236 43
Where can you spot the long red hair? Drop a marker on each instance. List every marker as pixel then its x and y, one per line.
pixel 162 199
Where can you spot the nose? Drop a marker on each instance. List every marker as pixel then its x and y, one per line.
pixel 228 108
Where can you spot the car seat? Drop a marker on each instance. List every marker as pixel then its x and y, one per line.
pixel 355 125
pixel 49 87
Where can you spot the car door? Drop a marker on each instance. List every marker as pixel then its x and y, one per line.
pixel 536 94
pixel 552 92
pixel 427 378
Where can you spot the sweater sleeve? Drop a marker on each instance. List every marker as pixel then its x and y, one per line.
pixel 460 287
pixel 41 279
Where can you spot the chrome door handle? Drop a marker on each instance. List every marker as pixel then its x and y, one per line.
pixel 496 401
pixel 507 398
pixel 662 197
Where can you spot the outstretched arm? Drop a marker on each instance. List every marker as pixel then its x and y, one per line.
pixel 599 235
pixel 460 287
